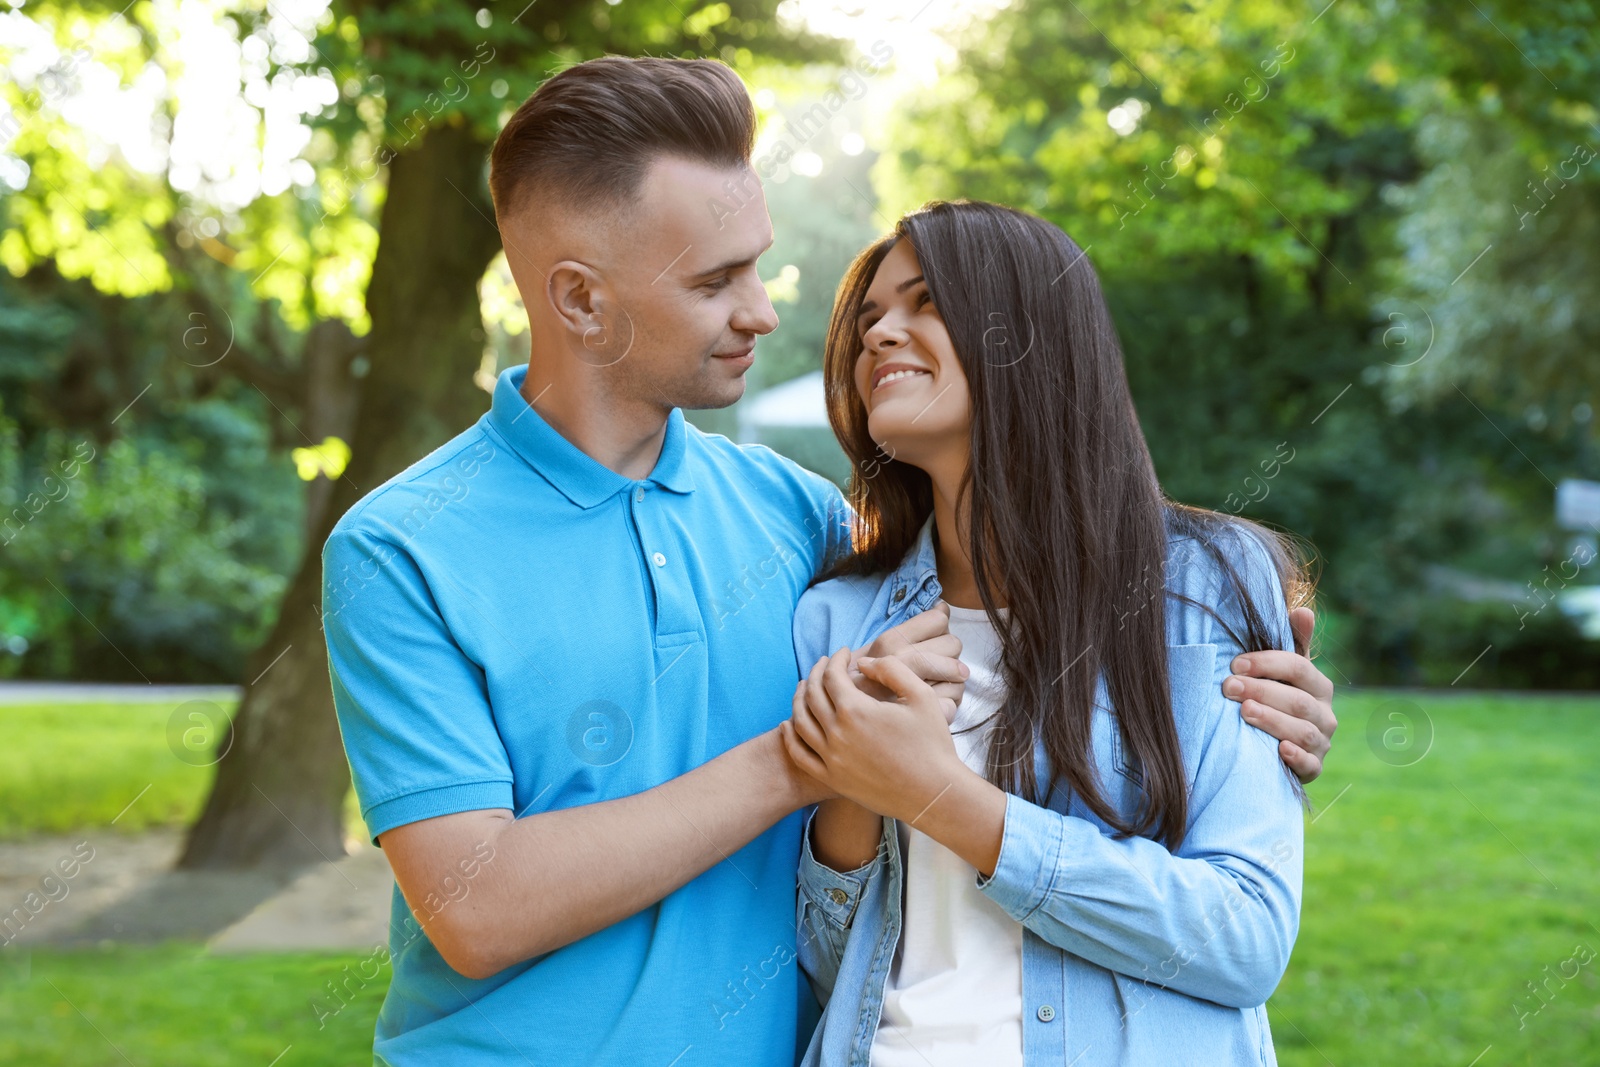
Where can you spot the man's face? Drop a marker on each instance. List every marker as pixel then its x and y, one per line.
pixel 683 272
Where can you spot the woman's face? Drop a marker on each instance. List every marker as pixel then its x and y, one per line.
pixel 907 375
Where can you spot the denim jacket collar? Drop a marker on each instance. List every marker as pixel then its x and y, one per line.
pixel 913 586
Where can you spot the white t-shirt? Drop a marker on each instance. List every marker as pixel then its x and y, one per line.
pixel 954 995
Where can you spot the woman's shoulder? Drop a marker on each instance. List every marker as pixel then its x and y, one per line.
pixel 1223 581
pixel 832 612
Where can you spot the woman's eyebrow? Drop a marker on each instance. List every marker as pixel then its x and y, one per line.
pixel 871 305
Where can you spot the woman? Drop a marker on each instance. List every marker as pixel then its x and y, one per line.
pixel 1096 861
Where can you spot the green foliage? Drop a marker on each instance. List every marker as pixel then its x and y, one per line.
pixel 1283 204
pixel 116 558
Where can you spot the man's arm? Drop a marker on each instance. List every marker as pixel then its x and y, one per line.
pixel 1285 694
pixel 559 876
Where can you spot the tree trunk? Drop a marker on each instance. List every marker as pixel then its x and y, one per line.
pixel 280 786
pixel 332 398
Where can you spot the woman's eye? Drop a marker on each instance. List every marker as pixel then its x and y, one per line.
pixel 923 297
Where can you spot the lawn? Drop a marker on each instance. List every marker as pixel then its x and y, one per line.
pixel 1441 891
pixel 124 767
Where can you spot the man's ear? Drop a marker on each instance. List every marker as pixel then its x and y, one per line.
pixel 585 302
pixel 576 293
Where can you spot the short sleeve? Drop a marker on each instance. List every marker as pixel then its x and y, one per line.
pixel 413 708
pixel 829 523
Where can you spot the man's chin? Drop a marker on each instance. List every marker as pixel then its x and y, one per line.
pixel 713 397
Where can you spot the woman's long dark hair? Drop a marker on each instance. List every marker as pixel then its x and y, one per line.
pixel 1069 527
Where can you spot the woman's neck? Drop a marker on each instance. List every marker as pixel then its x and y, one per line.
pixel 959 587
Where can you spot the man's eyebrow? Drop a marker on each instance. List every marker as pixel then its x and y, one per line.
pixel 732 263
pixel 872 305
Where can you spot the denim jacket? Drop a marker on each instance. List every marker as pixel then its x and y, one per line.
pixel 1131 954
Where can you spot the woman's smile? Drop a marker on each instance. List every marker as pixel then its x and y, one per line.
pixel 899 375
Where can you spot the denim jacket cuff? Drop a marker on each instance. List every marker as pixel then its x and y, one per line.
pixel 1030 857
pixel 836 893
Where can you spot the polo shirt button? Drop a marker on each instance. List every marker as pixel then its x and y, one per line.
pixel 1046 1013
pixel 638 494
pixel 838 896
pixel 661 561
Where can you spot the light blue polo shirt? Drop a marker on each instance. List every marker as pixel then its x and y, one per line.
pixel 510 624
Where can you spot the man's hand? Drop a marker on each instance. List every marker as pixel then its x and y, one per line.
pixel 889 756
pixel 1284 694
pixel 925 644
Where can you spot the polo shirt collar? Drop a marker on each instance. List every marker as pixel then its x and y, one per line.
pixel 580 477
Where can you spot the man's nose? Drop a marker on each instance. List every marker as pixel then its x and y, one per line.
pixel 756 315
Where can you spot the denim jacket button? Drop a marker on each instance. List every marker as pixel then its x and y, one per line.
pixel 899 594
pixel 838 896
pixel 1046 1013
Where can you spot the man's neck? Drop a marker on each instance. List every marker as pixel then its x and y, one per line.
pixel 625 437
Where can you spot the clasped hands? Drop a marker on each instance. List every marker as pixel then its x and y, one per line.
pixel 873 725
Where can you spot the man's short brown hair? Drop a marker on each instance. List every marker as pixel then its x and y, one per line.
pixel 588 135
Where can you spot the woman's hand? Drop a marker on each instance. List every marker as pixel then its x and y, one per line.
pixel 892 757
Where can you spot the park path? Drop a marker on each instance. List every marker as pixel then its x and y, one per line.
pixel 127 892
pixel 110 693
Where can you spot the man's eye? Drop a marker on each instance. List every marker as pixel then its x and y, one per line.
pixel 717 284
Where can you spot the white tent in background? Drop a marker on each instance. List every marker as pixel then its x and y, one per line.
pixel 799 403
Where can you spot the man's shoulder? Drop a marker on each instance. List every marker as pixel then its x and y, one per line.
pixel 423 489
pixel 760 464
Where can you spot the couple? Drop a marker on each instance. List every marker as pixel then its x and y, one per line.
pixel 611 688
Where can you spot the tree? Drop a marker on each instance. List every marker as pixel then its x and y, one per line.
pixel 405 99
pixel 280 787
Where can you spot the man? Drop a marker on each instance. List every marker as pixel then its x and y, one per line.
pixel 560 644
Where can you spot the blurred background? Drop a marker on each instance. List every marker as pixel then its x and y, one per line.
pixel 1353 251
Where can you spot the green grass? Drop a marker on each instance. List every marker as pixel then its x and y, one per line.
pixel 172 1006
pixel 70 767
pixel 1434 892
pixel 128 767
